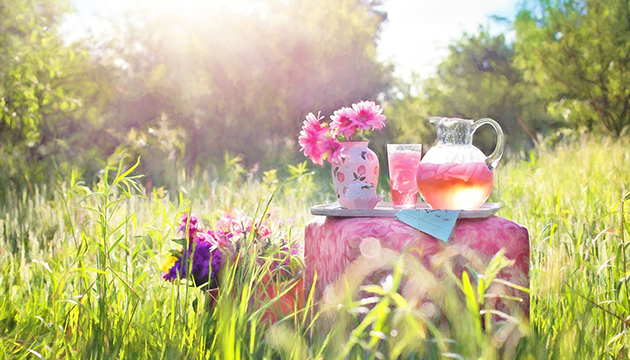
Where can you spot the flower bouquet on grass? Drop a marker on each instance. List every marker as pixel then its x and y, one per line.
pixel 253 259
pixel 197 258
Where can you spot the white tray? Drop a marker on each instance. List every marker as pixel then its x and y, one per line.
pixel 384 209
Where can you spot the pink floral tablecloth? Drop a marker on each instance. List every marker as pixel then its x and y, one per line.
pixel 342 249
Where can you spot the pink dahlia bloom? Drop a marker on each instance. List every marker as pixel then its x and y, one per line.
pixel 332 147
pixel 367 114
pixel 342 122
pixel 310 137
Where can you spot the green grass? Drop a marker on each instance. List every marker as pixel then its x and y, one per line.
pixel 80 278
pixel 569 199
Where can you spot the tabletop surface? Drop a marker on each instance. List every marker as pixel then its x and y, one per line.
pixel 386 209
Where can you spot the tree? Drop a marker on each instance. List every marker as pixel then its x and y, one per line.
pixel 178 88
pixel 476 80
pixel 242 80
pixel 578 53
pixel 41 86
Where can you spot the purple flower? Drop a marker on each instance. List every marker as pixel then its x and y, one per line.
pixel 293 252
pixel 206 260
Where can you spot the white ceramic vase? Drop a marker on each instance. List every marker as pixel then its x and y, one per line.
pixel 358 164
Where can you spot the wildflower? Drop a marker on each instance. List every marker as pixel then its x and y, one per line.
pixel 294 251
pixel 205 252
pixel 193 225
pixel 234 225
pixel 168 263
pixel 263 231
pixel 220 240
pixel 205 258
pixel 228 224
pixel 286 221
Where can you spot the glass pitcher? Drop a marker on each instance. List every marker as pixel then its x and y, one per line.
pixel 454 174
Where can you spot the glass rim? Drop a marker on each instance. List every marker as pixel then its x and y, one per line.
pixel 403 147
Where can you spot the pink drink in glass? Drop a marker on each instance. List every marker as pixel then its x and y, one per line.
pixel 455 186
pixel 402 173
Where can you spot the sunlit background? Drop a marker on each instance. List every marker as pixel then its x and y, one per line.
pixel 208 99
pixel 264 64
pixel 414 37
pixel 186 84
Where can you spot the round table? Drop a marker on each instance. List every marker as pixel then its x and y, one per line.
pixel 344 252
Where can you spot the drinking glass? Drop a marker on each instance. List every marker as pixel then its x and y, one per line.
pixel 403 163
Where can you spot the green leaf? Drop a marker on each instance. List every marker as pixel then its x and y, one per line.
pixel 119 177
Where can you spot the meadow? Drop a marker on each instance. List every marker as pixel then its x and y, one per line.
pixel 80 269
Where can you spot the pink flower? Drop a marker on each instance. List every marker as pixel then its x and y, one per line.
pixel 225 225
pixel 342 122
pixel 319 141
pixel 310 137
pixel 230 225
pixel 332 148
pixel 235 226
pixel 263 231
pixel 312 124
pixel 361 170
pixel 282 222
pixel 193 225
pixel 220 240
pixel 367 114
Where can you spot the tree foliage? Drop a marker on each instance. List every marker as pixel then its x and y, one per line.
pixel 476 80
pixel 241 80
pixel 578 53
pixel 40 82
pixel 179 87
pixel 567 67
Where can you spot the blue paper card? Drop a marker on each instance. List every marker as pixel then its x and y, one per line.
pixel 437 223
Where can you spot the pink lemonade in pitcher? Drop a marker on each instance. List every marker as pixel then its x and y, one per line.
pixel 402 175
pixel 455 186
pixel 454 174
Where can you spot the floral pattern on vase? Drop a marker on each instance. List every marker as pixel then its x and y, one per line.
pixel 358 164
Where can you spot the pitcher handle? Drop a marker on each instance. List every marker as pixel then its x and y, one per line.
pixel 493 160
